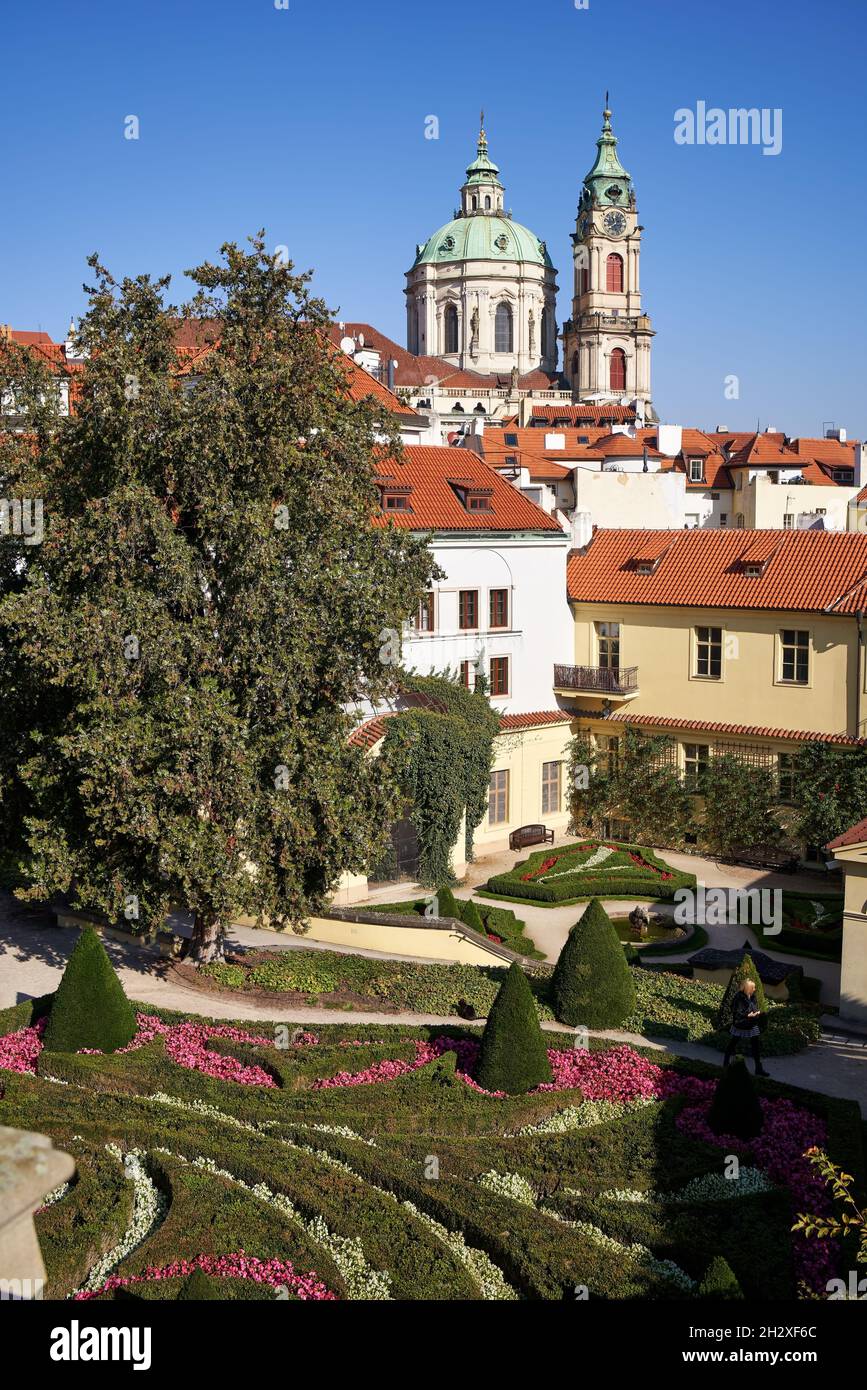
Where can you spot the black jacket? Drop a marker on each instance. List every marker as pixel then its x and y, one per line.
pixel 744 1004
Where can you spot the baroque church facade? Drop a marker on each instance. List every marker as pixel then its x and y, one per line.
pixel 481 293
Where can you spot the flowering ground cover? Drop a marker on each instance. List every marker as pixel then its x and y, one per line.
pixel 366 1163
pixel 588 869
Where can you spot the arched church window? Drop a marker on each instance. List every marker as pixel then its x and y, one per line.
pixel 450 323
pixel 617 370
pixel 475 202
pixel 575 366
pixel 487 205
pixel 545 326
pixel 503 329
pixel 614 273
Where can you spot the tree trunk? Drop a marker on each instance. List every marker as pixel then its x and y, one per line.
pixel 206 944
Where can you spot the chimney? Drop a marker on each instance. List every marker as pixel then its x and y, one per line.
pixel 582 530
pixel 669 439
pixel 392 368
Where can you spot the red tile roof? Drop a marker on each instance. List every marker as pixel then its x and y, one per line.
pixel 663 722
pixel 431 471
pixel 575 414
pixel 512 722
pixel 855 835
pixel 368 733
pixel 809 571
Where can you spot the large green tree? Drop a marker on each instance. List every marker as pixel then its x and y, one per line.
pixel 209 598
pixel 829 791
pixel 639 784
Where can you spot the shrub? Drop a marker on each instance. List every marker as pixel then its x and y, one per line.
pixel 471 918
pixel 90 1008
pixel 592 982
pixel 632 870
pixel 513 1056
pixel 199 1285
pixel 447 905
pixel 719 1281
pixel 745 971
pixel 735 1107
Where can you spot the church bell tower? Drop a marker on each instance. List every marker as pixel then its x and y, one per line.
pixel 606 343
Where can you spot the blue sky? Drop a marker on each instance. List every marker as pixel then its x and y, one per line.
pixel 310 121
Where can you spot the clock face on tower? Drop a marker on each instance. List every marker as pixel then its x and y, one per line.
pixel 614 223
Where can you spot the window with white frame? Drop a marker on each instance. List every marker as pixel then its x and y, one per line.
pixel 551 778
pixel 498 798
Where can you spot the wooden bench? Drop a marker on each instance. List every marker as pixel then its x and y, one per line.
pixel 766 857
pixel 530 835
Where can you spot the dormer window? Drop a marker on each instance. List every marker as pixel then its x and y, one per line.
pixel 472 496
pixel 395 497
pixel 753 571
pixel 696 470
pixel 645 566
pixel 512 439
pixel 844 475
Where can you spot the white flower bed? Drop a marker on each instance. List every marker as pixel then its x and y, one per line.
pixel 149 1209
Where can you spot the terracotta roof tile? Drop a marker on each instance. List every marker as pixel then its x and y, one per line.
pixel 512 722
pixel 855 835
pixel 436 506
pixel 808 571
pixel 664 722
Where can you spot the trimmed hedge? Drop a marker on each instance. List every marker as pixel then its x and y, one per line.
pixel 735 1107
pixel 90 1008
pixel 592 983
pixel 630 881
pixel 513 1056
pixel 720 1281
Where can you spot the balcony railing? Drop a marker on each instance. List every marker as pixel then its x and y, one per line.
pixel 602 680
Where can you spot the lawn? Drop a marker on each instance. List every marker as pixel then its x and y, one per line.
pixel 589 869
pixel 363 1163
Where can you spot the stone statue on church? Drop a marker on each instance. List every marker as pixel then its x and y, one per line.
pixel 474 333
pixel 532 326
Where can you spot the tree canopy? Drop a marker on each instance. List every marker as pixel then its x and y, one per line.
pixel 210 596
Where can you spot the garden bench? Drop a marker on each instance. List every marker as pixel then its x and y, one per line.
pixel 531 835
pixel 766 857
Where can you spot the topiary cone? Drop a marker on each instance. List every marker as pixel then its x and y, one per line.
pixel 447 905
pixel 719 1281
pixel 735 1108
pixel 513 1056
pixel 592 983
pixel 471 917
pixel 90 1008
pixel 745 971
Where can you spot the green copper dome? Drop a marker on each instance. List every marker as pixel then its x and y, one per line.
pixel 608 181
pixel 484 237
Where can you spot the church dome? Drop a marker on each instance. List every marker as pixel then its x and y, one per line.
pixel 484 237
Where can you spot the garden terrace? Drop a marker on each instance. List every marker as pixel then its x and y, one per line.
pixel 302 1169
pixel 590 869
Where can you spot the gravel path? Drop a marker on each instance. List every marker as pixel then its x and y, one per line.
pixel 33 952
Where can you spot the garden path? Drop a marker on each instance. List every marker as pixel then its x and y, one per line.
pixel 33 953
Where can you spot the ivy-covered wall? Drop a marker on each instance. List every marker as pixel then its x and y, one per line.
pixel 441 759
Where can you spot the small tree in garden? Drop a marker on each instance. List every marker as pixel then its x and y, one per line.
pixel 90 1008
pixel 592 983
pixel 830 791
pixel 447 903
pixel 738 806
pixel 735 1108
pixel 471 916
pixel 719 1281
pixel 851 1223
pixel 513 1056
pixel 640 784
pixel 745 971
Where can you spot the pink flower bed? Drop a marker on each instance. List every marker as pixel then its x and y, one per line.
pixel 277 1274
pixel 19 1051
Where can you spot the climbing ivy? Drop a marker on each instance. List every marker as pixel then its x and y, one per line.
pixel 440 756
